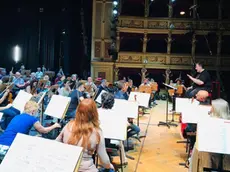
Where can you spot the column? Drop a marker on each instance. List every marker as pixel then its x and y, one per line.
pixel 116 73
pixel 169 41
pixel 193 47
pixel 118 41
pixel 145 41
pixel 146 8
pixel 170 9
pixel 194 9
pixel 219 36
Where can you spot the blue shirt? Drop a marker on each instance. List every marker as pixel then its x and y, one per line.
pixel 19 124
pixel 18 81
pixel 75 95
pixel 39 75
pixel 121 95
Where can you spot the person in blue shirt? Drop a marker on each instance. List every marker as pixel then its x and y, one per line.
pixel 39 73
pixel 23 123
pixel 122 94
pixel 76 96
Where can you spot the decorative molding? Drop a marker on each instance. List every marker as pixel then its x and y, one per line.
pixel 107 46
pixel 179 24
pixel 156 59
pixel 180 60
pixel 134 58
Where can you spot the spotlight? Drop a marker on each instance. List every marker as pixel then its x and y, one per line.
pixel 115 3
pixel 16 53
pixel 115 11
pixel 182 13
pixel 173 0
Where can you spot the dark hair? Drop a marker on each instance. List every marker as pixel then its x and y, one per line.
pixel 200 64
pixel 107 100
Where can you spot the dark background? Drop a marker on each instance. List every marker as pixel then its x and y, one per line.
pixel 38 28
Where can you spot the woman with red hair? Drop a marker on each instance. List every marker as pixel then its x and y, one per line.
pixel 84 131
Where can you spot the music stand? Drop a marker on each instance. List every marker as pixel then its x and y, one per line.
pixel 166 123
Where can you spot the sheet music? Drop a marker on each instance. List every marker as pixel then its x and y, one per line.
pixel 141 98
pixel 35 154
pixel 113 126
pixel 21 99
pixel 38 98
pixel 213 135
pixel 193 114
pixel 98 100
pixel 126 108
pixel 183 103
pixel 57 106
pixel 170 86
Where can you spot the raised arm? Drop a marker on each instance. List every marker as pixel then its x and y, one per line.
pixel 45 130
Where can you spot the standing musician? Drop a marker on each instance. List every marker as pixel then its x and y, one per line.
pixel 91 86
pixel 201 82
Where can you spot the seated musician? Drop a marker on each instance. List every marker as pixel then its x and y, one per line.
pixel 48 83
pixel 145 82
pixel 39 73
pixel 19 82
pixel 101 87
pixel 122 94
pixel 220 109
pixel 201 82
pixel 65 91
pixel 23 123
pixel 76 97
pixel 107 102
pixel 73 81
pixel 92 85
pixel 85 131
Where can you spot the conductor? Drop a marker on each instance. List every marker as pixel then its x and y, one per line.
pixel 202 81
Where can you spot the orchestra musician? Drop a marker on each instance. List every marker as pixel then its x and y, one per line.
pixel 101 87
pixel 73 81
pixel 76 97
pixel 65 91
pixel 39 73
pixel 23 123
pixel 93 87
pixel 201 82
pixel 145 82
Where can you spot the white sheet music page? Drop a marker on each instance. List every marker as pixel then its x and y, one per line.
pixel 213 135
pixel 1 114
pixel 183 103
pixel 98 100
pixel 126 108
pixel 35 154
pixel 57 106
pixel 113 126
pixel 141 98
pixel 195 113
pixel 21 99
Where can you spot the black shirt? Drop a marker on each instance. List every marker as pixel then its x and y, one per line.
pixel 205 77
pixel 75 99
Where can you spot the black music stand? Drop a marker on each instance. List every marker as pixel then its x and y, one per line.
pixel 167 123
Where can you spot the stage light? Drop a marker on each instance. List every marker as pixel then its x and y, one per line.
pixel 115 11
pixel 115 3
pixel 173 0
pixel 17 54
pixel 182 13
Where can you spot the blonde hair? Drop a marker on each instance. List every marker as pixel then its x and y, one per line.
pixel 220 109
pixel 30 107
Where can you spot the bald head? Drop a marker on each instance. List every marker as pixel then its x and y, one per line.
pixel 202 95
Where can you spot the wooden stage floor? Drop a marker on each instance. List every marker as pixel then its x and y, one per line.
pixel 160 153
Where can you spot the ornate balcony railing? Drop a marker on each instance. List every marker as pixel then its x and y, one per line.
pixel 178 24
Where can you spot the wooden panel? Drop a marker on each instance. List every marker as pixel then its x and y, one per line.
pixel 107 46
pixel 97 49
pixel 98 20
pixel 107 20
pixel 101 75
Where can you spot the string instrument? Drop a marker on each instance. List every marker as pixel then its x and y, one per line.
pixel 145 89
pixel 10 98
